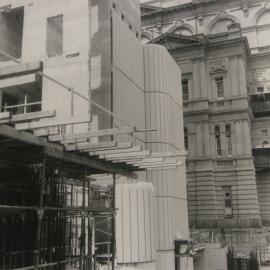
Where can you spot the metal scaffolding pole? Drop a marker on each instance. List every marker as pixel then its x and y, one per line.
pixel 113 223
pixel 40 213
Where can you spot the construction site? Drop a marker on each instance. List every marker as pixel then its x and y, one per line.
pixel 92 156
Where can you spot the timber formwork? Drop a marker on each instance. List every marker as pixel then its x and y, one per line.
pixel 52 213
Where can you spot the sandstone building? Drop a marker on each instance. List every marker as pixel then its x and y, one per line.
pixel 223 49
pixel 92 171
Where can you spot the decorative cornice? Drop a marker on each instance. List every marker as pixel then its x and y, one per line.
pixel 204 42
pixel 194 3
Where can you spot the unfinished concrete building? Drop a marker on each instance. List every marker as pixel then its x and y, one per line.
pixel 91 135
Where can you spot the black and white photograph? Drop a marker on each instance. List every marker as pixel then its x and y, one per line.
pixel 134 134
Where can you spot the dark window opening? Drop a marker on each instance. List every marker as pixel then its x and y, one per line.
pixel 186 139
pixel 218 140
pixel 55 36
pixel 185 89
pixel 11 32
pixel 229 139
pixel 220 87
pixel 227 193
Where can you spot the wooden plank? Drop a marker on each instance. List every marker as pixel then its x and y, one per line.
pixel 145 160
pixel 4 115
pixel 26 137
pixel 118 146
pixel 169 154
pixel 33 115
pixel 153 155
pixel 144 153
pixel 116 151
pixel 98 133
pixel 172 162
pixel 57 152
pixel 162 168
pixel 90 163
pixel 86 147
pixel 78 140
pixel 52 123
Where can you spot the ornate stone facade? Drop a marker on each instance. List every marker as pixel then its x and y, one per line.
pixel 223 49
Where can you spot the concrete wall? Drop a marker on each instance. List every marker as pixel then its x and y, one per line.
pixel 71 67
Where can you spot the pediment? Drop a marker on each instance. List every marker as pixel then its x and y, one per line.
pixel 145 9
pixel 171 41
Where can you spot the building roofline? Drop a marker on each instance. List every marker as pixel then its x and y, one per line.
pixel 203 41
pixel 176 7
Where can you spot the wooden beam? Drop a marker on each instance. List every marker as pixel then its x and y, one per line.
pixel 125 155
pixel 118 146
pixel 33 115
pixel 116 151
pixel 86 147
pixel 169 154
pixel 5 115
pixel 52 123
pixel 145 160
pixel 26 137
pixel 98 133
pixel 162 168
pixel 158 165
pixel 161 163
pixel 57 152
pixel 90 163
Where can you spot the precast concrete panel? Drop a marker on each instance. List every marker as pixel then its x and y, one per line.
pixel 135 244
pixel 128 78
pixel 165 114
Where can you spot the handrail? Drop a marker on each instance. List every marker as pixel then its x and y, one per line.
pixel 22 105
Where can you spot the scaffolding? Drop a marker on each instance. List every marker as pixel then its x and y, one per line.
pixel 53 215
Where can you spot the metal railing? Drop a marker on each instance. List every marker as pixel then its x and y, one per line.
pixel 24 107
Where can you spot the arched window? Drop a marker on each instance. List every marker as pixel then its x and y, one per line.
pixel 222 26
pixel 218 140
pixel 186 138
pixel 263 31
pixel 229 139
pixel 183 31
